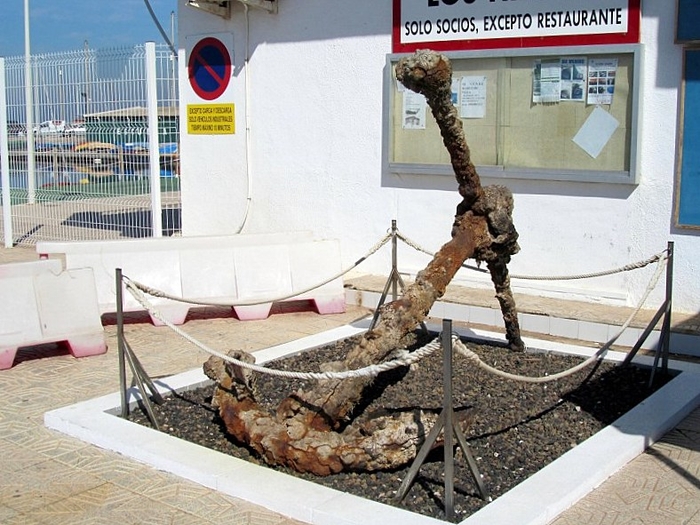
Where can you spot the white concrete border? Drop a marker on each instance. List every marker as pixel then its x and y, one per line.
pixel 535 501
pixel 594 332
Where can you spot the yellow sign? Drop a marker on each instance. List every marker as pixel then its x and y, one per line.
pixel 211 119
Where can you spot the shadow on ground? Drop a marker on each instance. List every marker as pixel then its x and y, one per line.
pixel 133 224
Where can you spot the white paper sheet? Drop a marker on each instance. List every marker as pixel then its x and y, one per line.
pixel 473 97
pixel 414 110
pixel 596 132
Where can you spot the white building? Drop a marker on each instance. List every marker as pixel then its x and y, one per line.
pixel 315 147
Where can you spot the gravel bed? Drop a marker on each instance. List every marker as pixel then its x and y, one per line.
pixel 516 428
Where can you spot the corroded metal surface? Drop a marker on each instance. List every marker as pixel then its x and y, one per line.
pixel 304 433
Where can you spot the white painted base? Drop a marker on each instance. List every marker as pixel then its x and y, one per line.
pixel 535 501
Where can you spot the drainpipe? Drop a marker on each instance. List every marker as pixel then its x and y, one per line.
pixel 248 147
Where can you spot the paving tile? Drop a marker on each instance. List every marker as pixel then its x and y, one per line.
pixel 46 478
pixel 131 475
pixel 6 514
pixel 195 499
pixel 93 460
pixel 108 504
pixel 43 484
pixel 14 423
pixel 692 422
pixel 44 442
pixel 16 459
pixel 12 517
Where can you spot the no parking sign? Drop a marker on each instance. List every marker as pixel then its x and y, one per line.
pixel 209 72
pixel 209 68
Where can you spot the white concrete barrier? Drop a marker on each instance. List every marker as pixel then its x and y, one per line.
pixel 220 269
pixel 40 303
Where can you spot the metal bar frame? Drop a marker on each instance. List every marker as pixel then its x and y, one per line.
pixel 446 421
pixel 665 311
pixel 127 355
pixel 394 281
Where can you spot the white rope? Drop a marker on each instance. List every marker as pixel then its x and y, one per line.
pixel 470 355
pixel 154 292
pixel 626 268
pixel 466 352
pixel 368 371
pixel 407 359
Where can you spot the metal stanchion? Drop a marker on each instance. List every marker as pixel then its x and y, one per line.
pixel 666 330
pixel 663 347
pixel 445 421
pixel 127 355
pixel 394 280
pixel 120 342
pixel 395 263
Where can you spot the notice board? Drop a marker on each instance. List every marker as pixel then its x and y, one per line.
pixel 514 132
pixel 688 165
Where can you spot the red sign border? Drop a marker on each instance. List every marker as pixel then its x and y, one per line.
pixel 210 41
pixel 632 36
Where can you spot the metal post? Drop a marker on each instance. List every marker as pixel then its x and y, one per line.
pixel 449 419
pixel 662 348
pixel 666 326
pixel 153 142
pixel 394 262
pixel 120 342
pixel 5 162
pixel 446 423
pixel 29 103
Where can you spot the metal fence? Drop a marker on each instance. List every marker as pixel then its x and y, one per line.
pixel 86 169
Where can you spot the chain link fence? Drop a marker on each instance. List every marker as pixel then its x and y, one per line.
pixel 86 170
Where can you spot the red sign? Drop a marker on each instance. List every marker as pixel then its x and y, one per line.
pixel 451 25
pixel 209 68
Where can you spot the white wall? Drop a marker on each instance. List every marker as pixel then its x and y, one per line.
pixel 316 73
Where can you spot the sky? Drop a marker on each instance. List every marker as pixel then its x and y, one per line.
pixel 65 25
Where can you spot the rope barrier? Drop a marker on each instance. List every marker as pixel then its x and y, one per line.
pixel 368 371
pixel 405 360
pixel 154 292
pixel 464 351
pixel 626 268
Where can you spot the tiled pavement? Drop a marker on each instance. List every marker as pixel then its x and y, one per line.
pixel 48 478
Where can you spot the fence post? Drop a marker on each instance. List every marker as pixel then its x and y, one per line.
pixel 153 142
pixel 29 102
pixel 5 162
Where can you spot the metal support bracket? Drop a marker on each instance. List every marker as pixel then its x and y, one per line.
pixel 215 7
pixel 394 281
pixel 268 5
pixel 222 8
pixel 664 311
pixel 451 429
pixel 127 355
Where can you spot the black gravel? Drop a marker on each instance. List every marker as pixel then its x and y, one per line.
pixel 517 428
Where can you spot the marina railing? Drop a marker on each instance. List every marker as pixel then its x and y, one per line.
pixel 90 172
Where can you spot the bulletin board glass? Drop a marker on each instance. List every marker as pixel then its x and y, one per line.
pixel 520 121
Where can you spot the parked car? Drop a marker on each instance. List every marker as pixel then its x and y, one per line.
pixel 50 126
